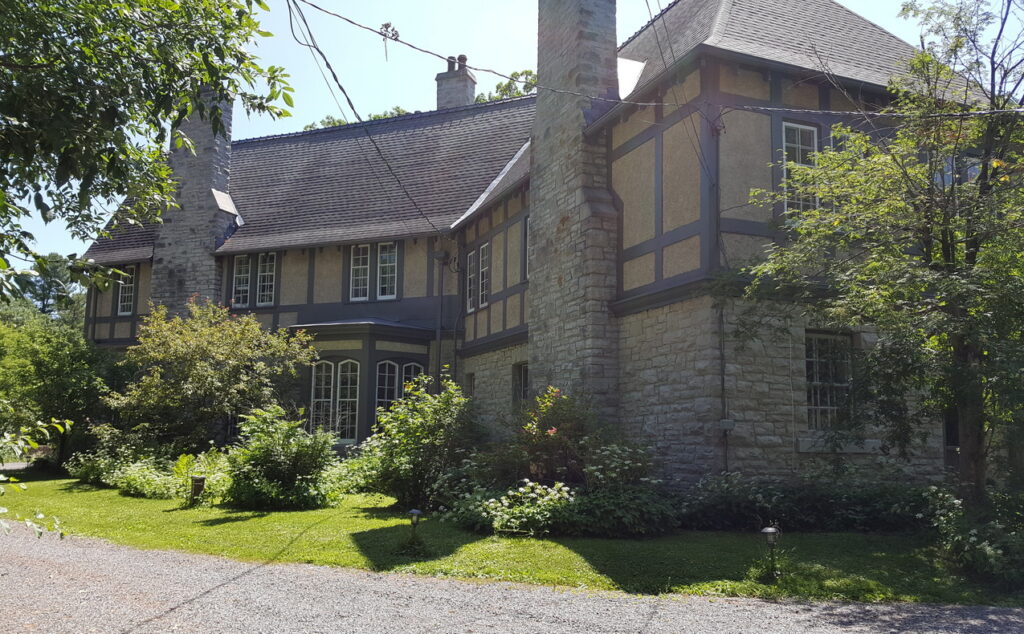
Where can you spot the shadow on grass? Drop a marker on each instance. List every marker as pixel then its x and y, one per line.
pixel 77 486
pixel 390 547
pixel 230 516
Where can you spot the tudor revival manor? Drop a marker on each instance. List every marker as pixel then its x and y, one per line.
pixel 564 239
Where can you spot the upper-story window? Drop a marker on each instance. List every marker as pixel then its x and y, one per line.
pixel 485 273
pixel 827 358
pixel 800 142
pixel 126 291
pixel 359 273
pixel 253 274
pixel 265 279
pixel 240 291
pixel 373 272
pixel 471 285
pixel 387 270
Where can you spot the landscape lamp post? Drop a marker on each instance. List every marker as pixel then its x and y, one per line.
pixel 414 517
pixel 771 535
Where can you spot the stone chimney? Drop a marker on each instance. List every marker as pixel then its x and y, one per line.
pixel 573 221
pixel 184 264
pixel 456 86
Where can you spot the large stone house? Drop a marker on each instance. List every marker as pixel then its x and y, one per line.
pixel 566 238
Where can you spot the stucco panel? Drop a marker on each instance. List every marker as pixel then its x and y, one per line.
pixel 681 93
pixel 638 272
pixel 739 249
pixel 681 257
pixel 497 314
pixel 515 246
pixel 400 346
pixel 636 122
pixel 800 94
pixel 633 181
pixel 329 270
pixel 144 282
pixel 745 158
pixel 294 276
pixel 744 82
pixel 415 268
pixel 122 329
pixel 682 174
pixel 104 301
pixel 512 303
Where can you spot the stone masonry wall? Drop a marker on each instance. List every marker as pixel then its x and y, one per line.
pixel 573 225
pixel 671 395
pixel 183 260
pixel 493 399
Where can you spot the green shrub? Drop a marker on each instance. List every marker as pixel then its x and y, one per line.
pixel 146 479
pixel 616 464
pixel 877 500
pixel 991 548
pixel 530 509
pixel 113 449
pixel 416 441
pixel 279 465
pixel 626 511
pixel 213 465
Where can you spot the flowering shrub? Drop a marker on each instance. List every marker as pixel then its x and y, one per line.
pixel 622 511
pixel 531 509
pixel 114 449
pixel 616 464
pixel 145 479
pixel 992 549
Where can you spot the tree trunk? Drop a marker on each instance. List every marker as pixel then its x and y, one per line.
pixel 968 390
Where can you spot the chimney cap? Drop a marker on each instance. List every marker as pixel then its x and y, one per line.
pixel 451 63
pixel 462 61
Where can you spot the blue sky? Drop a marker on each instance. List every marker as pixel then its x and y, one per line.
pixel 498 34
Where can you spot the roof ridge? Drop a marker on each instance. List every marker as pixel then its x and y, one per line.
pixel 371 122
pixel 721 16
pixel 649 23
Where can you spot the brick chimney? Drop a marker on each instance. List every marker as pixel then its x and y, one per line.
pixel 183 253
pixel 456 86
pixel 573 222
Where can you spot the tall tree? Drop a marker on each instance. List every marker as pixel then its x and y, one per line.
pixel 918 232
pixel 90 93
pixel 519 84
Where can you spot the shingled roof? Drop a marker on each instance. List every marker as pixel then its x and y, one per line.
pixel 809 34
pixel 330 186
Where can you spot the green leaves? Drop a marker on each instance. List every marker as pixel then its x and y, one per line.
pixel 88 90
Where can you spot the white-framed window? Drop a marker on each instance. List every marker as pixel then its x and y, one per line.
pixel 827 359
pixel 265 273
pixel 799 143
pixel 485 273
pixel 409 372
pixel 240 282
pixel 471 286
pixel 387 270
pixel 321 401
pixel 126 291
pixel 387 384
pixel 359 273
pixel 347 410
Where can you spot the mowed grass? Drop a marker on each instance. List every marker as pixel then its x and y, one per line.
pixel 366 532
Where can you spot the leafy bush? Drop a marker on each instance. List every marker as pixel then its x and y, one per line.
pixel 279 465
pixel 815 501
pixel 992 548
pixel 626 511
pixel 416 442
pixel 197 371
pixel 146 479
pixel 213 465
pixel 114 449
pixel 530 509
pixel 616 464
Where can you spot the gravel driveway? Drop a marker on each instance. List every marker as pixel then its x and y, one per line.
pixel 86 585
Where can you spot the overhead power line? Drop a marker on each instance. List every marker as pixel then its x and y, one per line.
pixel 312 45
pixel 379 33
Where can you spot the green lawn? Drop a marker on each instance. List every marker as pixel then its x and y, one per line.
pixel 365 533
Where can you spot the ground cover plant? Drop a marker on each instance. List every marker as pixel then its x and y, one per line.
pixel 367 532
